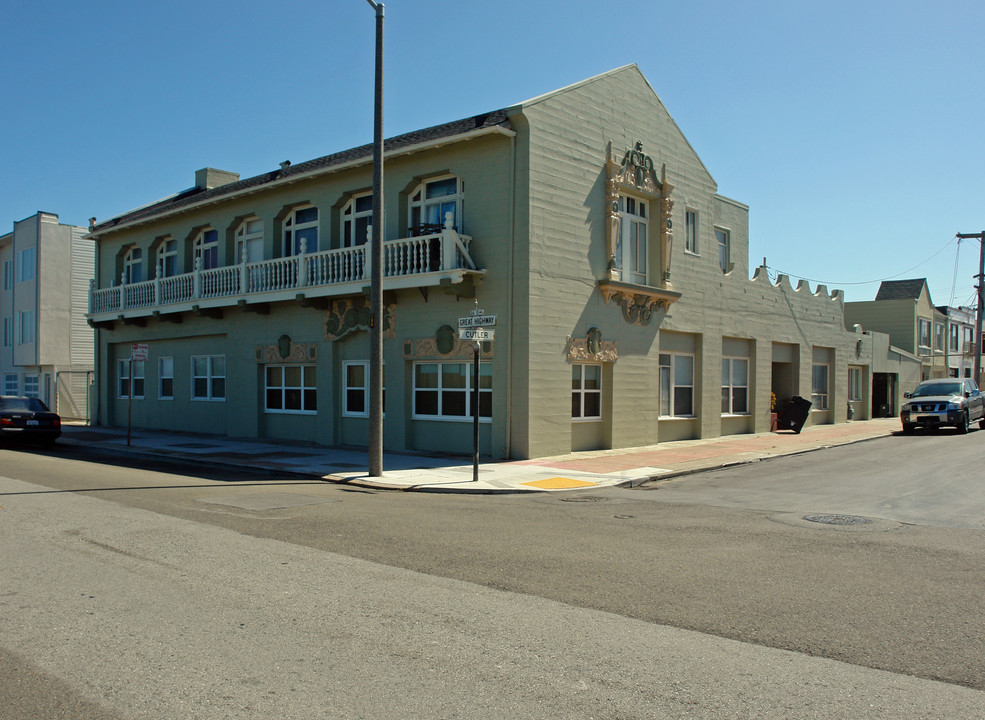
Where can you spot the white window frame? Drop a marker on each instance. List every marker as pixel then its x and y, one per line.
pixel 133 265
pixel 939 338
pixel 724 238
pixel 166 259
pixel 348 389
pixel 357 218
pixel 25 327
pixel 206 249
pixel 729 385
pixel 8 274
pixel 10 383
pixel 32 386
pixel 307 389
pixel 632 243
pixel 165 371
pixel 854 384
pixel 485 370
pixel 580 393
pixel 250 229
pixel 954 337
pixel 425 210
pixel 210 378
pixel 123 379
pixel 922 325
pixel 24 267
pixel 968 337
pixel 691 232
pixel 820 391
pixel 293 227
pixel 670 383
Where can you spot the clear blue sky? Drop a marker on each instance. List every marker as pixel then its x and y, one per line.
pixel 855 131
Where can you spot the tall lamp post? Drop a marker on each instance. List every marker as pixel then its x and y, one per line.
pixel 376 267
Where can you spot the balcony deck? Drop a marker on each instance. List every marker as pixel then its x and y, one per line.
pixel 429 260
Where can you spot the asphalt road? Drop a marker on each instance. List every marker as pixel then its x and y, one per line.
pixel 127 592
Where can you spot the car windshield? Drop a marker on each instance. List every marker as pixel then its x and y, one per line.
pixel 22 404
pixel 937 389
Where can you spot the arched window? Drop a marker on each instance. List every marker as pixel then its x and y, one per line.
pixel 133 266
pixel 357 216
pixel 249 235
pixel 167 258
pixel 207 248
pixel 432 200
pixel 301 224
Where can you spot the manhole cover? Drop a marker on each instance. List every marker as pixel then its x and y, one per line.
pixel 837 519
pixel 623 517
pixel 584 499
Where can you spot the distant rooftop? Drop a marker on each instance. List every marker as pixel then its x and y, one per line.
pixel 901 289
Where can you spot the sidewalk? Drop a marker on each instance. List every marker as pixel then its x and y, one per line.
pixel 429 473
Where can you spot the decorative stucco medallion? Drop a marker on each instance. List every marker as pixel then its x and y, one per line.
pixel 427 349
pixel 591 348
pixel 286 352
pixel 348 315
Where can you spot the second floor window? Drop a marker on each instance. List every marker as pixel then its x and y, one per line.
pixel 249 237
pixel 631 244
pixel 434 199
pixel 301 224
pixel 724 249
pixel 691 231
pixel 133 266
pixel 954 338
pixel 167 258
pixel 924 339
pixel 939 337
pixel 207 249
pixel 357 216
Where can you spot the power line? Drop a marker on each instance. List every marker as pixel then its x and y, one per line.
pixel 868 282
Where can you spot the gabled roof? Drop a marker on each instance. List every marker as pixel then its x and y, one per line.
pixel 901 289
pixel 196 195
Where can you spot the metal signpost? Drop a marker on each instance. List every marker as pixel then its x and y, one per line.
pixel 138 353
pixel 477 329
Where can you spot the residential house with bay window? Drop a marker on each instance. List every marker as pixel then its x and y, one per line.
pixel 583 219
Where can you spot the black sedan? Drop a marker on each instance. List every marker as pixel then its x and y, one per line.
pixel 27 419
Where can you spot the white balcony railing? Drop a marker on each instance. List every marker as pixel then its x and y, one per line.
pixel 428 254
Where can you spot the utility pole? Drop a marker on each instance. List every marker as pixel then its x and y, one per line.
pixel 980 237
pixel 376 267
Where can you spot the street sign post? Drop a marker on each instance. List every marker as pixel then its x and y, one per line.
pixel 476 328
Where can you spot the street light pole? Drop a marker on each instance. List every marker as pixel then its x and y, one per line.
pixel 980 237
pixel 376 267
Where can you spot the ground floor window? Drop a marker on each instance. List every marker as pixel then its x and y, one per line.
pixel 676 385
pixel 291 389
pixel 165 378
pixel 31 386
pixel 9 384
pixel 854 384
pixel 355 391
pixel 124 379
pixel 819 387
pixel 444 391
pixel 208 377
pixel 586 392
pixel 735 386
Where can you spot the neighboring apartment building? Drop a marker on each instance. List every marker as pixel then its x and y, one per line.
pixel 583 219
pixel 904 310
pixel 47 346
pixel 960 348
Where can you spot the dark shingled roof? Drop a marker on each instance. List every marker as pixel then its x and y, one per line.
pixel 900 289
pixel 196 195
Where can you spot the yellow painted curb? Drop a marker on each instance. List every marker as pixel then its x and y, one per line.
pixel 559 483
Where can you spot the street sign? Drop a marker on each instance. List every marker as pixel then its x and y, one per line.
pixel 477 312
pixel 476 334
pixel 138 352
pixel 476 321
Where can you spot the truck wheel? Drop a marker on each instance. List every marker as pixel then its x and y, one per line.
pixel 964 424
pixel 908 428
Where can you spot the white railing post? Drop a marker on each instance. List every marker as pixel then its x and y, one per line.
pixel 92 293
pixel 197 278
pixel 123 290
pixel 302 263
pixel 157 283
pixel 367 254
pixel 448 248
pixel 243 277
